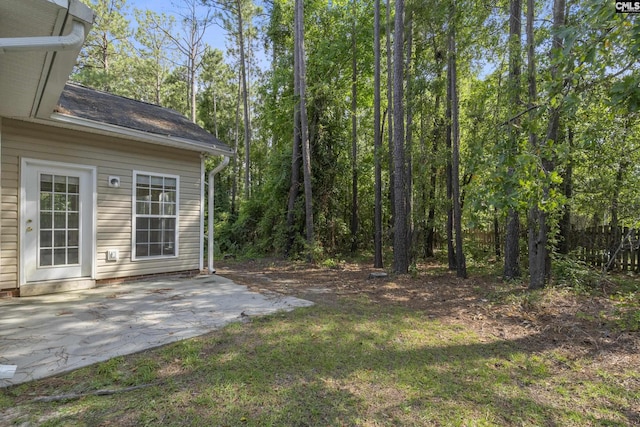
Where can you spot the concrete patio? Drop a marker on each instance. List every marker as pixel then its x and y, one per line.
pixel 48 335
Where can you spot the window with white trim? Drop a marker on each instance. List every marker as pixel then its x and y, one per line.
pixel 155 215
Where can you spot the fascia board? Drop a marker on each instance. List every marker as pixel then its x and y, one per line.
pixel 114 130
pixel 79 10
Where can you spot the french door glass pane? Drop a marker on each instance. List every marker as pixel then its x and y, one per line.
pixel 46 219
pixel 73 256
pixel 59 216
pixel 46 257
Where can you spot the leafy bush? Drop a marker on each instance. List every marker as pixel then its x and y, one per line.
pixel 569 272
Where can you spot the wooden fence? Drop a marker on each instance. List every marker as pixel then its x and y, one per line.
pixel 603 247
pixel 614 248
pixel 482 240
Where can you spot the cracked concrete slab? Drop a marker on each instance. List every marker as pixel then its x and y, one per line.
pixel 51 334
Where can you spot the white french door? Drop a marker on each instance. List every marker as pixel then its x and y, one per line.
pixel 56 221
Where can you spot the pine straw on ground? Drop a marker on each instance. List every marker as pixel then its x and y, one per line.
pixel 554 319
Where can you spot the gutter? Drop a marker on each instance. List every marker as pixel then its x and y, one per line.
pixel 74 40
pixel 210 240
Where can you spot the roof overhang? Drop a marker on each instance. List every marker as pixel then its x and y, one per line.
pixel 39 43
pixel 91 126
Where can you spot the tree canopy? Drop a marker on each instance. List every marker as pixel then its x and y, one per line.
pixel 493 117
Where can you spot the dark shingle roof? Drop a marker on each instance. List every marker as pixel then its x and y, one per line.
pixel 83 102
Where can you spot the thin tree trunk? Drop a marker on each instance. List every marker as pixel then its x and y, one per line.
pixel 461 266
pixel 431 216
pixel 306 149
pixel 377 240
pixel 534 211
pixel 409 141
pixel 214 98
pixel 105 60
pixel 496 234
pixel 296 158
pixel 158 87
pixel 354 136
pixel 451 251
pixel 437 134
pixel 564 246
pixel 192 78
pixel 540 272
pixel 245 103
pixel 420 237
pixel 512 243
pixel 234 186
pixel 616 234
pixel 400 249
pixel 390 119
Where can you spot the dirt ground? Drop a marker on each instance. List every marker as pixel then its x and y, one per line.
pixel 574 326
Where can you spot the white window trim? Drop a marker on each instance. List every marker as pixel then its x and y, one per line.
pixel 134 215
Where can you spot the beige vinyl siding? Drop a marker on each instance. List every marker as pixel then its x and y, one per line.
pixel 8 219
pixel 111 157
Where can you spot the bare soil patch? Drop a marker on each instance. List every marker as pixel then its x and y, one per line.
pixel 559 320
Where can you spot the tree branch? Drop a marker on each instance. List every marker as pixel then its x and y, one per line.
pixel 520 114
pixel 104 392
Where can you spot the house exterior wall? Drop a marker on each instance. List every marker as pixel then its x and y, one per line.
pixel 111 157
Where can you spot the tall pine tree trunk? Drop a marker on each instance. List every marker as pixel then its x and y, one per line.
pixel 512 235
pixel 245 103
pixel 400 243
pixel 431 216
pixel 296 157
pixel 234 186
pixel 377 240
pixel 409 141
pixel 304 129
pixel 438 125
pixel 461 266
pixel 354 135
pixel 451 251
pixel 390 118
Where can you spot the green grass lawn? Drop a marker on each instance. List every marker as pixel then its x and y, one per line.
pixel 351 363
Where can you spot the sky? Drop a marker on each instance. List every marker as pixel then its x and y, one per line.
pixel 214 36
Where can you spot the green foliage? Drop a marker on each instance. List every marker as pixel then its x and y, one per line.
pixel 217 99
pixel 331 263
pixel 106 54
pixel 626 92
pixel 240 234
pixel 628 318
pixel 598 98
pixel 627 298
pixel 569 272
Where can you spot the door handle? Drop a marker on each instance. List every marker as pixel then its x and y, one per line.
pixel 29 229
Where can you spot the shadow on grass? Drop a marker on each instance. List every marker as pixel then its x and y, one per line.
pixel 355 365
pixel 379 366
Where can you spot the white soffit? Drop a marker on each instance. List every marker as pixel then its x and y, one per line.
pixel 31 81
